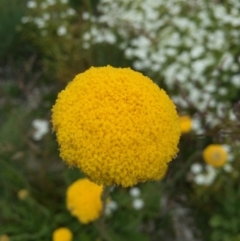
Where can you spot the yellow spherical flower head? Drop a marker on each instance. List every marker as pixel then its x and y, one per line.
pixel 215 155
pixel 84 200
pixel 185 124
pixel 62 234
pixel 117 126
pixel 4 237
pixel 23 194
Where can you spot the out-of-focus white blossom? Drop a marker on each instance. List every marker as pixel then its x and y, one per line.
pixel 25 19
pixel 62 30
pixel 46 16
pixel 227 148
pixel 206 178
pixel 85 16
pixel 222 91
pixel 197 126
pixel 230 157
pixel 86 45
pixel 235 80
pixel 227 167
pixel 110 207
pixel 199 179
pixel 31 4
pixel 138 203
pixel 39 22
pixel 197 51
pixel 135 192
pixel 41 128
pixel 51 2
pixel 71 12
pixel 196 168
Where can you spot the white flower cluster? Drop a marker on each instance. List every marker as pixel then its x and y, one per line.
pixel 44 15
pixel 110 207
pixel 193 46
pixel 41 128
pixel 137 202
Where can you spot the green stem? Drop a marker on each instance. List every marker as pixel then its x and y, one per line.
pixel 100 224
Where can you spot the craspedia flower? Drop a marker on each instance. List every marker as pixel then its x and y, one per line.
pixel 84 200
pixel 215 155
pixel 117 126
pixel 62 234
pixel 185 124
pixel 4 237
pixel 23 194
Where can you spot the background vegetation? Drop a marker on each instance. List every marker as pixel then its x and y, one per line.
pixel 190 49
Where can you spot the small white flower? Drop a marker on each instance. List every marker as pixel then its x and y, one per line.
pixel 211 87
pixel 199 179
pixel 86 36
pixel 138 65
pixel 196 168
pixel 41 128
pixel 51 2
pixel 86 45
pixel 31 4
pixel 170 51
pixel 230 157
pixel 207 178
pixel 222 91
pixel 184 57
pixel 197 126
pixel 235 80
pixel 210 175
pixel 138 203
pixel 135 192
pixel 46 16
pixel 227 61
pixel 39 22
pixel 85 16
pixel 71 12
pixel 227 167
pixel 197 51
pixel 110 207
pixel 62 30
pixel 107 211
pixel 25 19
pixel 227 148
pixel 110 38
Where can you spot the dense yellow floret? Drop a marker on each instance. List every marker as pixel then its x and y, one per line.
pixel 185 124
pixel 215 155
pixel 117 126
pixel 62 234
pixel 84 200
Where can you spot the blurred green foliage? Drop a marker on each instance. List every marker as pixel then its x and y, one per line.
pixel 11 13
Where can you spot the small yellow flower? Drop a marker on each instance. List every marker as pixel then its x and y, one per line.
pixel 117 126
pixel 185 123
pixel 62 234
pixel 84 200
pixel 215 155
pixel 4 237
pixel 23 194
